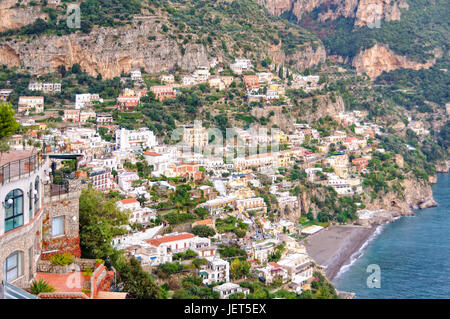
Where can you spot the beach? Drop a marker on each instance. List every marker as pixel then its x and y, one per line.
pixel 333 247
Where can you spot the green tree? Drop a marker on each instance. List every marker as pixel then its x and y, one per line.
pixel 8 125
pixel 203 231
pixel 100 221
pixel 136 281
pixel 239 269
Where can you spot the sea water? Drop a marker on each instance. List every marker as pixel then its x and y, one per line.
pixel 412 255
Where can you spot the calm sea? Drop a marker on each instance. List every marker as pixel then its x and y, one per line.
pixel 413 255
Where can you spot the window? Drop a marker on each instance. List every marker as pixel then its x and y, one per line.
pixel 12 266
pixel 36 195
pixel 30 202
pixel 13 210
pixel 58 226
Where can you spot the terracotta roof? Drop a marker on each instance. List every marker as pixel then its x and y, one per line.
pixel 52 295
pixel 168 239
pixel 274 265
pixel 204 222
pixel 152 154
pixel 128 200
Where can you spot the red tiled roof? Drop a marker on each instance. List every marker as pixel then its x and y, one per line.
pixel 52 295
pixel 128 200
pixel 204 222
pixel 274 265
pixel 168 239
pixel 152 154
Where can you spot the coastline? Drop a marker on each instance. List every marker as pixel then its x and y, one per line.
pixel 338 246
pixel 333 248
pixel 401 249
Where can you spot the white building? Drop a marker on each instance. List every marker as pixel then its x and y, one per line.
pixel 22 178
pixel 136 75
pixel 85 99
pixel 132 140
pixel 125 180
pixel 138 214
pixel 44 87
pixel 230 288
pixel 217 270
pixel 31 103
pixel 160 162
pixel 298 266
pixel 241 65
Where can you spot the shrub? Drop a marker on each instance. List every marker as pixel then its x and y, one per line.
pixel 88 271
pixel 62 259
pixel 203 231
pixel 40 286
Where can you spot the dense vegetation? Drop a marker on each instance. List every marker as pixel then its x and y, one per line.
pixel 103 13
pixel 411 88
pixel 423 27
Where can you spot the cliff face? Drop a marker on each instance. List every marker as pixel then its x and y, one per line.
pixel 13 17
pixel 106 51
pixel 380 58
pixel 372 61
pixel 417 195
pixel 303 58
pixel 363 10
pixel 325 107
pixel 110 51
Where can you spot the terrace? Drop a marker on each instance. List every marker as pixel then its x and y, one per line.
pixel 15 165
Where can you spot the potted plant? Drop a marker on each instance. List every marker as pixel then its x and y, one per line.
pixel 41 286
pixel 87 292
pixel 99 262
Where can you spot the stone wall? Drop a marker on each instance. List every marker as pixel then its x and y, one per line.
pixel 24 239
pixel 66 205
pixel 80 264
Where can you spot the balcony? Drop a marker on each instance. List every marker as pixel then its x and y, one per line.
pixel 59 189
pixel 19 164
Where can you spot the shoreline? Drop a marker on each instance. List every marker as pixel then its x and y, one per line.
pixel 336 246
pixel 333 248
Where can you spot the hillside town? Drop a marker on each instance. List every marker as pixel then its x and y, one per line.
pixel 224 212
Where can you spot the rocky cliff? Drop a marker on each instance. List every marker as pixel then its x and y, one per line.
pixel 365 11
pixel 380 58
pixel 111 51
pixel 417 195
pixel 106 51
pixel 13 16
pixel 372 61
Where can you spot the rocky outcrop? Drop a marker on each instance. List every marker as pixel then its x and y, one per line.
pixel 325 107
pixel 372 61
pixel 443 167
pixel 9 56
pixel 380 58
pixel 15 17
pixel 417 195
pixel 369 11
pixel 111 51
pixel 304 57
pixel 364 11
pixel 106 51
